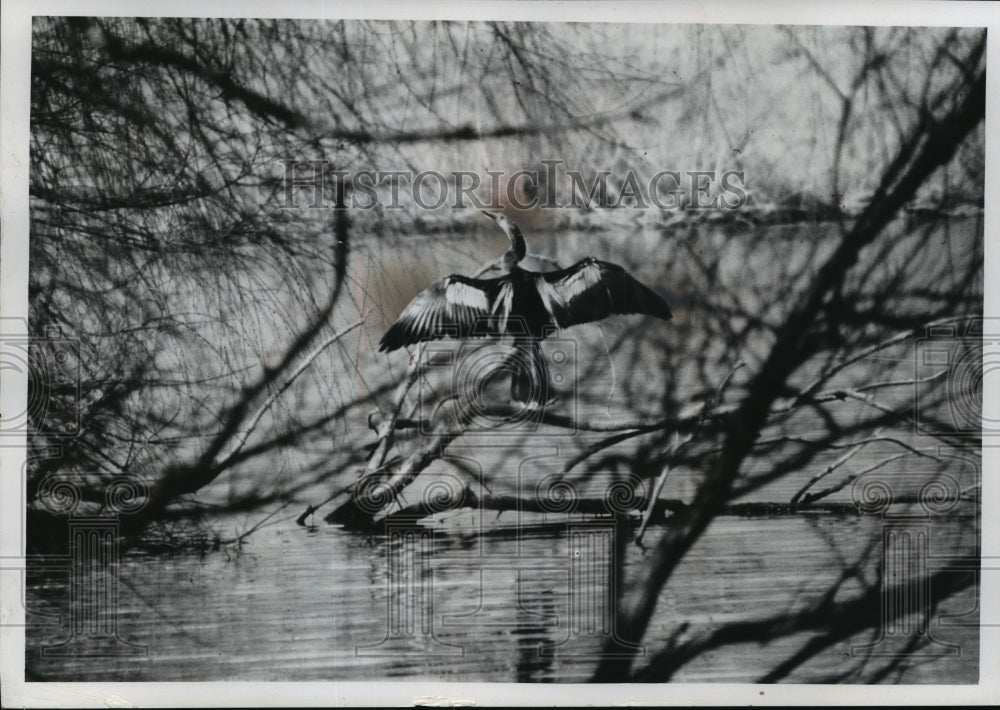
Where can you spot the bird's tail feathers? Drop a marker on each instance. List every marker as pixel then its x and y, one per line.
pixel 530 383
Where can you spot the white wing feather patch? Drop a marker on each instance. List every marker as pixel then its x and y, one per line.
pixel 545 291
pixel 579 282
pixel 463 294
pixel 502 304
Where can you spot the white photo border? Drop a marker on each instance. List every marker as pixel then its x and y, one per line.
pixel 15 55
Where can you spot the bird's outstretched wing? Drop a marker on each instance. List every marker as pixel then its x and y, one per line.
pixel 455 306
pixel 591 290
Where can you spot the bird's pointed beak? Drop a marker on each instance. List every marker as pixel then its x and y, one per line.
pixel 491 215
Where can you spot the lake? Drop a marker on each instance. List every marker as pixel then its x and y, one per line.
pixel 477 595
pixel 513 603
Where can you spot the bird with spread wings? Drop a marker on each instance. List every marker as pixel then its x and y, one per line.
pixel 522 304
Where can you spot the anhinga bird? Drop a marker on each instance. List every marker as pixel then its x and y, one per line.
pixel 525 305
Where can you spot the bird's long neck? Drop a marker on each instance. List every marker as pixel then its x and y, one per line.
pixel 517 244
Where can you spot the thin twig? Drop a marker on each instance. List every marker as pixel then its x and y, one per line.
pixel 255 419
pixel 810 498
pixel 871 350
pixel 661 480
pixel 830 469
pixel 676 445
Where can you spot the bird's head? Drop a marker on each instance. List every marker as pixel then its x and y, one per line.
pixel 500 218
pixel 517 245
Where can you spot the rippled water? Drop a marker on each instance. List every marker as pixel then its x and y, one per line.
pixel 507 605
